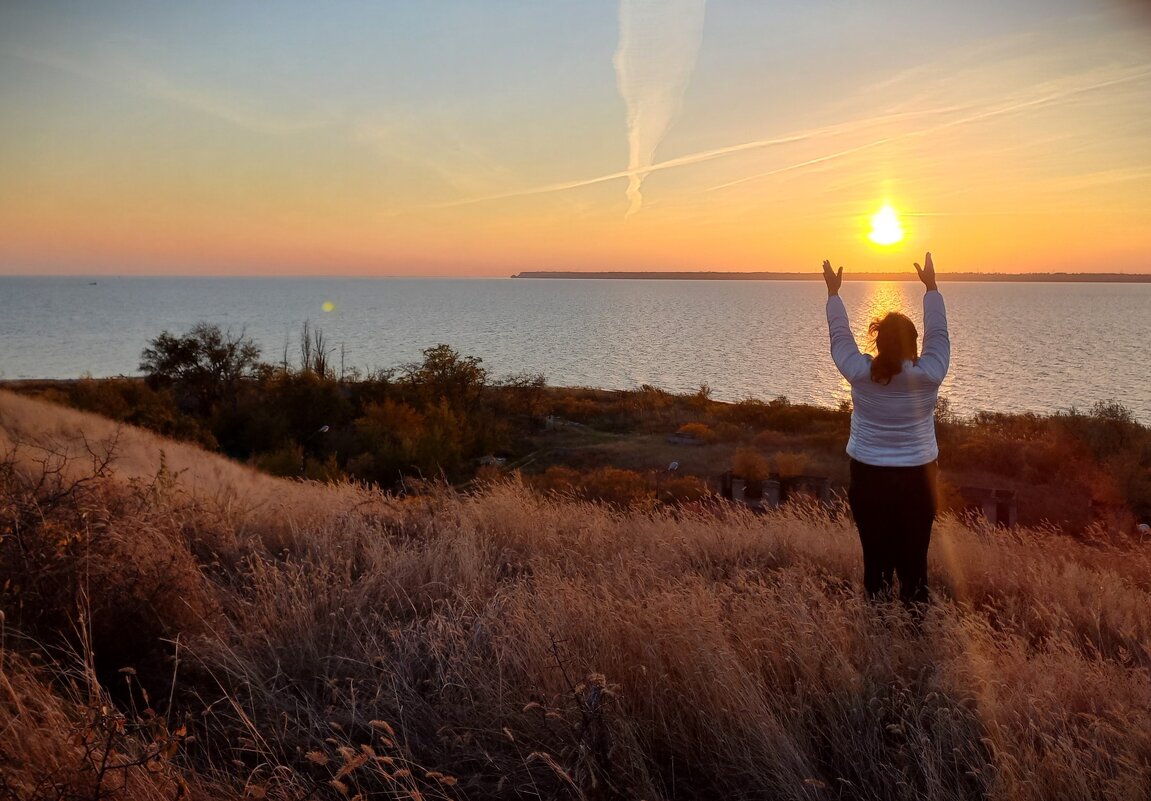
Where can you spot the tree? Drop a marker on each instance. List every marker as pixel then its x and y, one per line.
pixel 316 353
pixel 445 374
pixel 523 393
pixel 204 367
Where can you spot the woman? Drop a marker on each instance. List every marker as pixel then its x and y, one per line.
pixel 892 445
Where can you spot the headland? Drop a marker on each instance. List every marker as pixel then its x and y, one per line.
pixel 1063 278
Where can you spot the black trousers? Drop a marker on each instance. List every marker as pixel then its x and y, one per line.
pixel 894 509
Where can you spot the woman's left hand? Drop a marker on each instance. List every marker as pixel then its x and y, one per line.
pixel 927 274
pixel 833 279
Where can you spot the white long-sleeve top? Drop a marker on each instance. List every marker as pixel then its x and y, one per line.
pixel 893 425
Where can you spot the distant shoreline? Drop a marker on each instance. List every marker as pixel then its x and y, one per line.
pixel 1031 278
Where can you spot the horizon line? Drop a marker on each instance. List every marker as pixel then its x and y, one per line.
pixel 561 273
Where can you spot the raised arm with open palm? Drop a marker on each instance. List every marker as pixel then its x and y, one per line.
pixel 926 274
pixel 833 279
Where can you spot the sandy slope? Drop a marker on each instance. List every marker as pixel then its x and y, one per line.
pixel 36 431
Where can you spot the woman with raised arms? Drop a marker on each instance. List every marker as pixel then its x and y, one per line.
pixel 892 444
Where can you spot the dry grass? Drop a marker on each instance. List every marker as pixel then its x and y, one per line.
pixel 333 640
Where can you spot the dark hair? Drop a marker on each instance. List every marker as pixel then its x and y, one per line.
pixel 895 342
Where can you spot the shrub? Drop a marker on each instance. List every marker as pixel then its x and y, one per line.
pixel 1107 428
pixel 700 400
pixel 523 394
pixel 605 484
pixel 728 432
pixel 390 433
pixel 750 465
pixel 682 489
pixel 699 431
pixel 75 545
pixel 131 400
pixel 749 412
pixel 771 440
pixel 556 479
pixel 575 408
pixel 788 464
pixel 615 486
pixel 286 461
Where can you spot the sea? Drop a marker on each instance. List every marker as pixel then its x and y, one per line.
pixel 1016 347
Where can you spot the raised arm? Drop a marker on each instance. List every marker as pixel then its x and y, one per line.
pixel 845 353
pixel 936 355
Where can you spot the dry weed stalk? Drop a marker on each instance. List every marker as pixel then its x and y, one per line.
pixel 742 659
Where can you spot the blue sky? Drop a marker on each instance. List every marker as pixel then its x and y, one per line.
pixel 482 138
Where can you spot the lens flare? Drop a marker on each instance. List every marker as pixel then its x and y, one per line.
pixel 885 227
pixel 328 306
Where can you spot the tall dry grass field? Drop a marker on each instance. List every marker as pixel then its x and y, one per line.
pixel 184 625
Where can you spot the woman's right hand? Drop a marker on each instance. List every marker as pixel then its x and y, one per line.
pixel 926 274
pixel 834 280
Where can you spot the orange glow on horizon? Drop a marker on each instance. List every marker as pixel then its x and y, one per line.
pixel 153 227
pixel 174 154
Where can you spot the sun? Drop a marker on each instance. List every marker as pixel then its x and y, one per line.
pixel 885 227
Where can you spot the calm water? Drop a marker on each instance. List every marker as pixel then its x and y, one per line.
pixel 1015 347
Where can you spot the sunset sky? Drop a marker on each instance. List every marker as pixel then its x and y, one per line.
pixel 484 138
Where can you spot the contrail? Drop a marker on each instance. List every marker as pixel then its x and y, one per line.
pixel 801 136
pixel 658 44
pixel 983 115
pixel 701 156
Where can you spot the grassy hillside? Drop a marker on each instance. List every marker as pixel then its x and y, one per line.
pixel 1074 469
pixel 174 622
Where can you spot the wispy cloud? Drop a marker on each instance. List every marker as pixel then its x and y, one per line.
pixel 431 143
pixel 214 103
pixel 1045 94
pixel 120 70
pixel 702 156
pixel 1065 92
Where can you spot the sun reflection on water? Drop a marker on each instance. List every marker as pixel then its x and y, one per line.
pixel 883 297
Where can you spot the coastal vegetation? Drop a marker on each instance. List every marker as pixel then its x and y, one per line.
pixel 176 624
pixel 445 417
